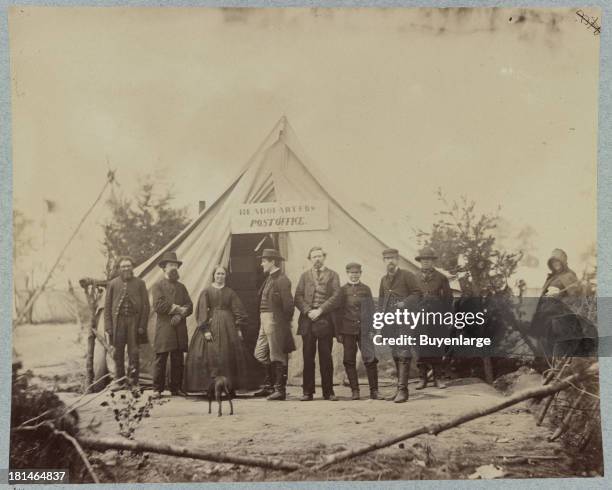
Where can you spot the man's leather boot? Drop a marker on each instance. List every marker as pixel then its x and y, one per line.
pixel 267 387
pixel 423 374
pixel 402 382
pixel 392 397
pixel 372 372
pixel 280 383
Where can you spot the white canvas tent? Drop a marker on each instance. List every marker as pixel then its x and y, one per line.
pixel 52 305
pixel 278 171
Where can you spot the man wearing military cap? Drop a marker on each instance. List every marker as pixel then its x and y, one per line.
pixel 398 290
pixel 437 297
pixel 172 305
pixel 355 330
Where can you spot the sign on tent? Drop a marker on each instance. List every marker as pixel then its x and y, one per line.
pixel 270 217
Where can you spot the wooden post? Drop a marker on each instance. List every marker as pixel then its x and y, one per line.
pixel 556 374
pixel 567 418
pixel 91 340
pixel 92 295
pixel 488 369
pixel 89 363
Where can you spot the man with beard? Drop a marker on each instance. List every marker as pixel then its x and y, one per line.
pixel 317 296
pixel 437 298
pixel 398 290
pixel 126 313
pixel 172 304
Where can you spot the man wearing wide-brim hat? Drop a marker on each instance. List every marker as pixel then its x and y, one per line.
pixel 437 297
pixel 172 304
pixel 275 340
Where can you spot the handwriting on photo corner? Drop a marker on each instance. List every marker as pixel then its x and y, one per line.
pixel 590 21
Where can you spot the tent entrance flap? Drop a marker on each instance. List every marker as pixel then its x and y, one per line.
pixel 245 277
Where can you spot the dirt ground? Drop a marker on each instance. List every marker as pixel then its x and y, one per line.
pixel 305 431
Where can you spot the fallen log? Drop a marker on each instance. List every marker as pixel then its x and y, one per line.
pixel 517 456
pixel 103 444
pixel 435 429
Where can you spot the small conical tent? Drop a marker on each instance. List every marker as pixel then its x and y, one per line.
pixel 278 171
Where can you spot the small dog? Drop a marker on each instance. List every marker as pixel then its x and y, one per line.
pixel 217 387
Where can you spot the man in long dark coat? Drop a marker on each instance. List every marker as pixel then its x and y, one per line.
pixel 317 296
pixel 398 290
pixel 437 298
pixel 275 340
pixel 172 304
pixel 126 313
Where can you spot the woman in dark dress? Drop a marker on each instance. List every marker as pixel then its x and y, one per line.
pixel 216 347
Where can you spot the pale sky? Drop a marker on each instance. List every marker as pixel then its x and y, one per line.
pixel 499 105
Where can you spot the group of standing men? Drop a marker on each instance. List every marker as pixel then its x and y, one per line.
pixel 126 315
pixel 329 310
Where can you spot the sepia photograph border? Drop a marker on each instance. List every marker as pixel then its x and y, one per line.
pixel 604 227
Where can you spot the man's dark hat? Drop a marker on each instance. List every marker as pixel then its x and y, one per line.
pixel 353 266
pixel 390 252
pixel 169 257
pixel 426 253
pixel 270 253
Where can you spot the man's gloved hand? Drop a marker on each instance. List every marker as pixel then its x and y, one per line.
pixel 208 336
pixel 175 320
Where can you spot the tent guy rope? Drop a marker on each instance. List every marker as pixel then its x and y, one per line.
pixel 110 179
